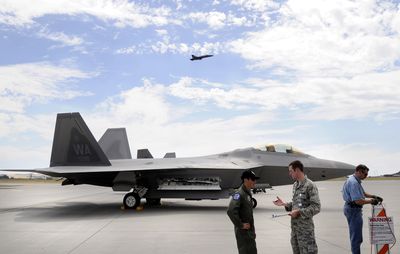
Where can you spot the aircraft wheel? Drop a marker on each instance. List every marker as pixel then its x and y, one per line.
pixel 153 201
pixel 254 202
pixel 131 200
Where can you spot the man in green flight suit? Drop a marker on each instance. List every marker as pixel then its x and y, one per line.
pixel 240 212
pixel 305 204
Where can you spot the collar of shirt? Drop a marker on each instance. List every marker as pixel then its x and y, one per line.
pixel 301 183
pixel 246 190
pixel 358 180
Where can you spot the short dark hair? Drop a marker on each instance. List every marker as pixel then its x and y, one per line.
pixel 248 174
pixel 362 167
pixel 297 164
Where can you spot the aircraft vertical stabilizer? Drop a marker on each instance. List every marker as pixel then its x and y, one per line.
pixel 115 145
pixel 74 144
pixel 144 154
pixel 170 155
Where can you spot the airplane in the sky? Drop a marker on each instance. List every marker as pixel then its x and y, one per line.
pixel 199 57
pixel 80 159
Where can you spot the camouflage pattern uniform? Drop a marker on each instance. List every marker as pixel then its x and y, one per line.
pixel 305 199
pixel 241 211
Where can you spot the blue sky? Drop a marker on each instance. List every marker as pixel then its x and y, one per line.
pixel 321 75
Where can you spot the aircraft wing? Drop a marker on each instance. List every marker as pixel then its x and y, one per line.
pixel 209 162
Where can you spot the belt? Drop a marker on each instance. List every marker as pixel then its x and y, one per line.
pixel 353 204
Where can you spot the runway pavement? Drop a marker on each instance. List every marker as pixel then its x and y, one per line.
pixel 49 218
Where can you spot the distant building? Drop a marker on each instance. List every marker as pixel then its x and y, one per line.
pixel 393 175
pixel 28 176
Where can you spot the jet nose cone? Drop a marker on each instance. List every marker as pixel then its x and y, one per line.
pixel 344 169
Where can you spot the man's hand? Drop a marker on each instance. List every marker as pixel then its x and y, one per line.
pixel 378 198
pixel 279 202
pixel 294 213
pixel 374 201
pixel 246 226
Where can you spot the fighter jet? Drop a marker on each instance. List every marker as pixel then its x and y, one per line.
pixel 199 57
pixel 80 159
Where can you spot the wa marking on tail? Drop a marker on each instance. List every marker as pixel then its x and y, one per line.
pixel 81 149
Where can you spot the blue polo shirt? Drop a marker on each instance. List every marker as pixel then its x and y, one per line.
pixel 352 189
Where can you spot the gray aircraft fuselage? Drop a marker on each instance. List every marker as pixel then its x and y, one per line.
pixel 78 157
pixel 271 167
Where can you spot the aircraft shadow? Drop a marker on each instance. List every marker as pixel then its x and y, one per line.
pixel 75 211
pixel 67 211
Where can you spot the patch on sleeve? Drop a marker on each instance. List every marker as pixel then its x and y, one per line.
pixel 236 196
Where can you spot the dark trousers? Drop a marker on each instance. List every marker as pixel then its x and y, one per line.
pixel 246 241
pixel 355 222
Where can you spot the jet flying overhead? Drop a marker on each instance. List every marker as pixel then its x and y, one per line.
pixel 199 57
pixel 79 159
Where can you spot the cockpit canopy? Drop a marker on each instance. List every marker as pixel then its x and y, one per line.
pixel 279 148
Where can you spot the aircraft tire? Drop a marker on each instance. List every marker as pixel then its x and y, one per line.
pixel 254 201
pixel 131 200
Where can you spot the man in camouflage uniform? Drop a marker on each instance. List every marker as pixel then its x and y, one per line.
pixel 305 204
pixel 240 212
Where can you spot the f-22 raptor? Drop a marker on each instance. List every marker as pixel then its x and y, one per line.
pixel 80 159
pixel 199 57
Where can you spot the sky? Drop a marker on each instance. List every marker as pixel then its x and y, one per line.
pixel 323 76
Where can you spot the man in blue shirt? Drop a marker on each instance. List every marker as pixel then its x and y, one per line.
pixel 355 197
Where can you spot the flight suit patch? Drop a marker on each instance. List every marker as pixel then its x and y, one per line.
pixel 236 196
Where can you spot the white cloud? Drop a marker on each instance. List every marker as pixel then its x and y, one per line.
pixel 217 20
pixel 25 157
pixel 373 95
pixel 161 32
pixel 326 38
pixel 121 12
pixel 127 50
pixel 215 2
pixel 144 104
pixel 23 84
pixel 64 39
pixel 236 21
pixel 14 126
pixel 179 4
pixel 256 5
pixel 153 120
pixel 165 46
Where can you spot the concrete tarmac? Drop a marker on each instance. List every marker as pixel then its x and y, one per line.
pixel 49 218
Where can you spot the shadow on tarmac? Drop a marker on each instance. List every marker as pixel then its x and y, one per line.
pixel 75 211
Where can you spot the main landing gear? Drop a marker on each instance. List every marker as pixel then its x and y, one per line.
pixel 132 199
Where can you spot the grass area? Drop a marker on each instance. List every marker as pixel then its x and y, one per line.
pixel 373 178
